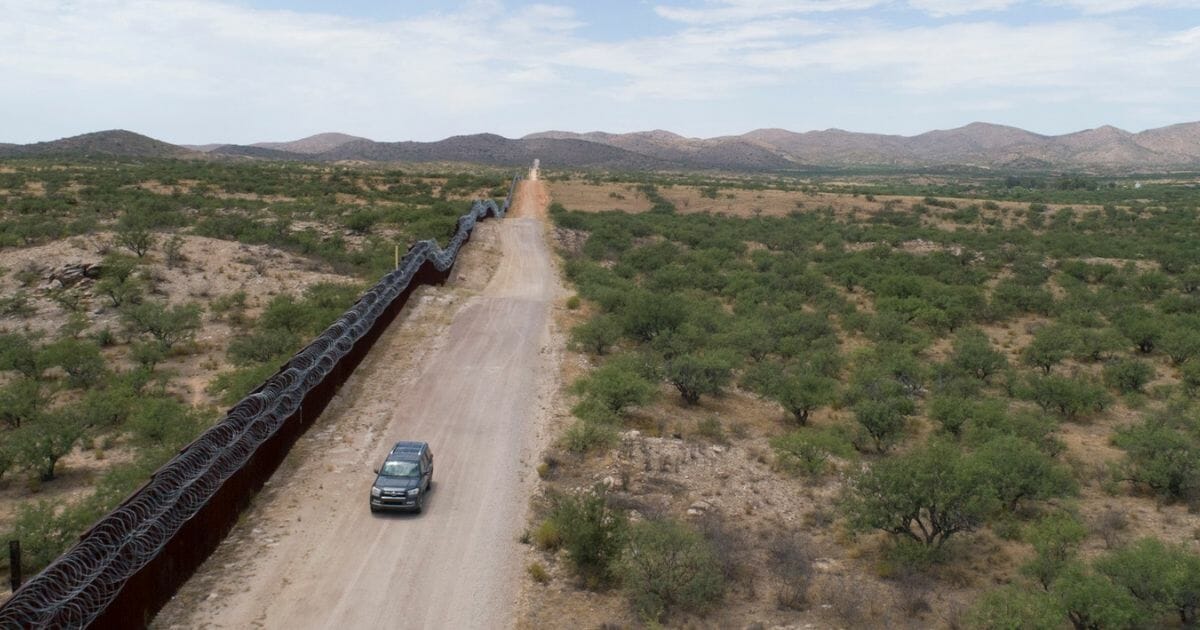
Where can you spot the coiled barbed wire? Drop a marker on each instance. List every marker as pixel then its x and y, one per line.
pixel 77 587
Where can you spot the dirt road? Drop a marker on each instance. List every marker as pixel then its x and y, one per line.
pixel 309 554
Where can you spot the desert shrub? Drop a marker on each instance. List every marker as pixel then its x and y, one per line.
pixel 271 345
pixel 711 429
pixel 807 451
pixel 1128 375
pixel 798 389
pixel 133 233
pixel 547 536
pixel 119 281
pixel 598 334
pixel 926 495
pixel 647 315
pixel 1189 374
pixel 616 385
pixel 81 360
pixel 231 306
pixel 1164 578
pixel 233 385
pixel 695 375
pixel 1141 327
pixel 955 413
pixel 1180 343
pixel 43 442
pixel 1011 297
pixel 19 353
pixel 1012 607
pixel 1070 398
pixel 593 534
pixel 1050 345
pixel 1016 470
pixel 173 251
pixel 167 325
pixel 667 566
pixel 973 354
pixel 46 529
pixel 164 421
pixel 147 354
pixel 791 564
pixel 537 572
pixel 584 436
pixel 884 420
pixel 1055 539
pixel 16 305
pixel 1093 601
pixel 21 401
pixel 1161 456
pixel 7 459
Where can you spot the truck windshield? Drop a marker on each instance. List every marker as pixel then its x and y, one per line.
pixel 400 469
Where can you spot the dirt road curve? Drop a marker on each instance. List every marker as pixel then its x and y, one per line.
pixel 311 555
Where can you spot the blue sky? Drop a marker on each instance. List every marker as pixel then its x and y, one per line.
pixel 194 71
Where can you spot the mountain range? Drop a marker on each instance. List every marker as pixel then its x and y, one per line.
pixel 981 145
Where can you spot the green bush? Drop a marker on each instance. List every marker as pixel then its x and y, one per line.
pixel 616 385
pixel 593 534
pixel 666 566
pixel 598 334
pixel 1016 470
pixel 233 385
pixel 957 414
pixel 1055 539
pixel 1161 456
pixel 1128 375
pixel 1164 578
pixel 46 529
pixel 547 536
pixel 1012 607
pixel 167 325
pixel 926 495
pixel 695 375
pixel 807 451
pixel 884 420
pixel 1070 398
pixel 44 441
pixel 974 354
pixel 164 421
pixel 81 360
pixel 584 436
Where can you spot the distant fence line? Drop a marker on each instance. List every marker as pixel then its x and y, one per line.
pixel 130 563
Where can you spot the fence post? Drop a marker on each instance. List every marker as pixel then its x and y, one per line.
pixel 14 564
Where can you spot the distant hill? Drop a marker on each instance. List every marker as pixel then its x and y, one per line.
pixel 978 144
pixel 1105 149
pixel 311 145
pixel 116 142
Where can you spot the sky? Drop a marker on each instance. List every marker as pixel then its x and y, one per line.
pixel 203 71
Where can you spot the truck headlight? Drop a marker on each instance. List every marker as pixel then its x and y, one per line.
pixel 376 492
pixel 414 492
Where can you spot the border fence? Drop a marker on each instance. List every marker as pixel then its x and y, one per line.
pixel 132 561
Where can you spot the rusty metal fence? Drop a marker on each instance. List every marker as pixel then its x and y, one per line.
pixel 126 567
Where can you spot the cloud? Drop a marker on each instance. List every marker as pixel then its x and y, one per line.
pixel 721 11
pixel 943 8
pixel 206 68
pixel 1116 6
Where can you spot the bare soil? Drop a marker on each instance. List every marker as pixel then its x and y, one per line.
pixel 466 371
pixel 575 194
